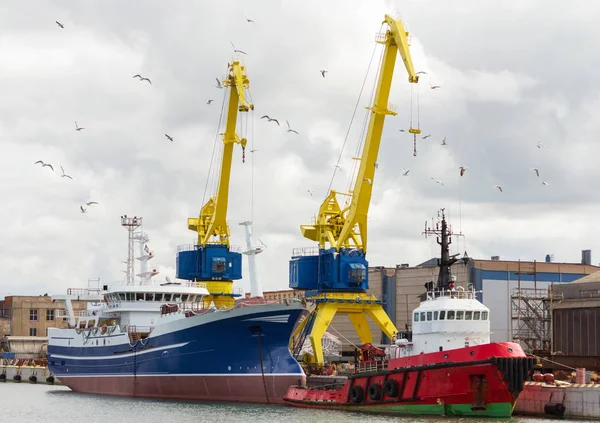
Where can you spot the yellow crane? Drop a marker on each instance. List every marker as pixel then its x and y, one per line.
pixel 339 272
pixel 211 261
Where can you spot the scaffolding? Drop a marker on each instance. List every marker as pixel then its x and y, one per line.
pixel 531 318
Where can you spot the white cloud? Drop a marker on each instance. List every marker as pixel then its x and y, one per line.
pixel 502 92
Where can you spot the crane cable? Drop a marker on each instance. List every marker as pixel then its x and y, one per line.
pixel 352 118
pixel 213 157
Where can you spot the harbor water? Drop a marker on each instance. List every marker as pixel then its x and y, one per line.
pixel 21 402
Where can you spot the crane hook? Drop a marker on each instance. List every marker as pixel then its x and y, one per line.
pixel 415 145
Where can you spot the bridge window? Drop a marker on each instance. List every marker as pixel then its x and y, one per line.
pixel 422 316
pixel 442 314
pixel 122 296
pixel 468 315
pixel 429 316
pixel 168 297
pixel 459 315
pixel 192 298
pixel 435 315
pixel 476 315
pixel 129 296
pixel 484 315
pixel 139 296
pixel 158 297
pixel 416 317
pixel 184 298
pixel 148 296
pixel 450 314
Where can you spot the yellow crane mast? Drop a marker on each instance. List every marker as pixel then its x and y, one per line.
pixel 211 260
pixel 339 272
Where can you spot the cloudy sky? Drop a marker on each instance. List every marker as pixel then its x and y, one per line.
pixel 512 74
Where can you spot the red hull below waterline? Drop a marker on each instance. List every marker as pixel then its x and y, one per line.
pixel 201 388
pixel 483 380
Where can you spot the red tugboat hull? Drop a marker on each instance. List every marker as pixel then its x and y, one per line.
pixel 483 380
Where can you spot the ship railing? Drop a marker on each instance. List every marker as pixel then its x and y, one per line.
pixel 530 293
pixel 305 251
pixel 83 291
pixel 64 313
pixel 192 247
pixel 371 366
pixel 457 293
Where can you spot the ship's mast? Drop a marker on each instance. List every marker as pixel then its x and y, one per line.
pixel 444 239
pixel 131 224
pixel 251 252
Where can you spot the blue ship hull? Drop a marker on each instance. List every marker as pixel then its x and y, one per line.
pixel 236 355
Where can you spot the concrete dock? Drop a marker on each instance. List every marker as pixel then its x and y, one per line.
pixel 27 374
pixel 574 401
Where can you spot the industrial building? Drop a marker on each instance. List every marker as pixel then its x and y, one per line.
pixel 509 289
pixel 24 321
pixel 575 322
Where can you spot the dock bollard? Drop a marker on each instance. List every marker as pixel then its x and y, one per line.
pixel 557 409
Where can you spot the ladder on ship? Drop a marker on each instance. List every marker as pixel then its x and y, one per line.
pixel 308 325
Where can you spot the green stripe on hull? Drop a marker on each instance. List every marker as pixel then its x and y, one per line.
pixel 504 409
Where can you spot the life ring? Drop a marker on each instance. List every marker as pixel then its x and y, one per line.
pixel 356 394
pixel 390 388
pixel 375 391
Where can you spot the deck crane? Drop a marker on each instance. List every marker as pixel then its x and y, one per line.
pixel 211 261
pixel 339 272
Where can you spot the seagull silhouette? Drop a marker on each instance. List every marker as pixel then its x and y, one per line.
pixel 59 24
pixel 270 119
pixel 77 127
pixel 252 151
pixel 169 137
pixel 463 169
pixel 425 137
pixel 141 78
pixel 421 73
pixel 545 183
pixel 64 175
pixel 235 50
pixel 437 181
pixel 499 187
pixel 209 101
pixel 540 145
pixel 249 20
pixel 89 203
pixel 290 128
pixel 44 164
pixel 219 85
pixel 536 170
pixel 405 172
pixel 323 72
pixel 435 87
pixel 310 191
pixel 444 141
pixel 82 209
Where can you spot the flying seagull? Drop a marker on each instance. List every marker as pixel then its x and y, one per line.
pixel 218 84
pixel 437 181
pixel 444 141
pixel 463 169
pixel 169 137
pixel 59 24
pixel 64 175
pixel 141 78
pixel 270 119
pixel 89 203
pixel 77 127
pixel 402 130
pixel 323 72
pixel 405 172
pixel 209 101
pixel 338 167
pixel 425 137
pixel 235 50
pixel 82 209
pixel 290 128
pixel 44 164
pixel 499 187
pixel 536 170
pixel 545 183
pixel 310 191
pixel 252 151
pixel 540 145
pixel 435 87
pixel 421 73
pixel 249 20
